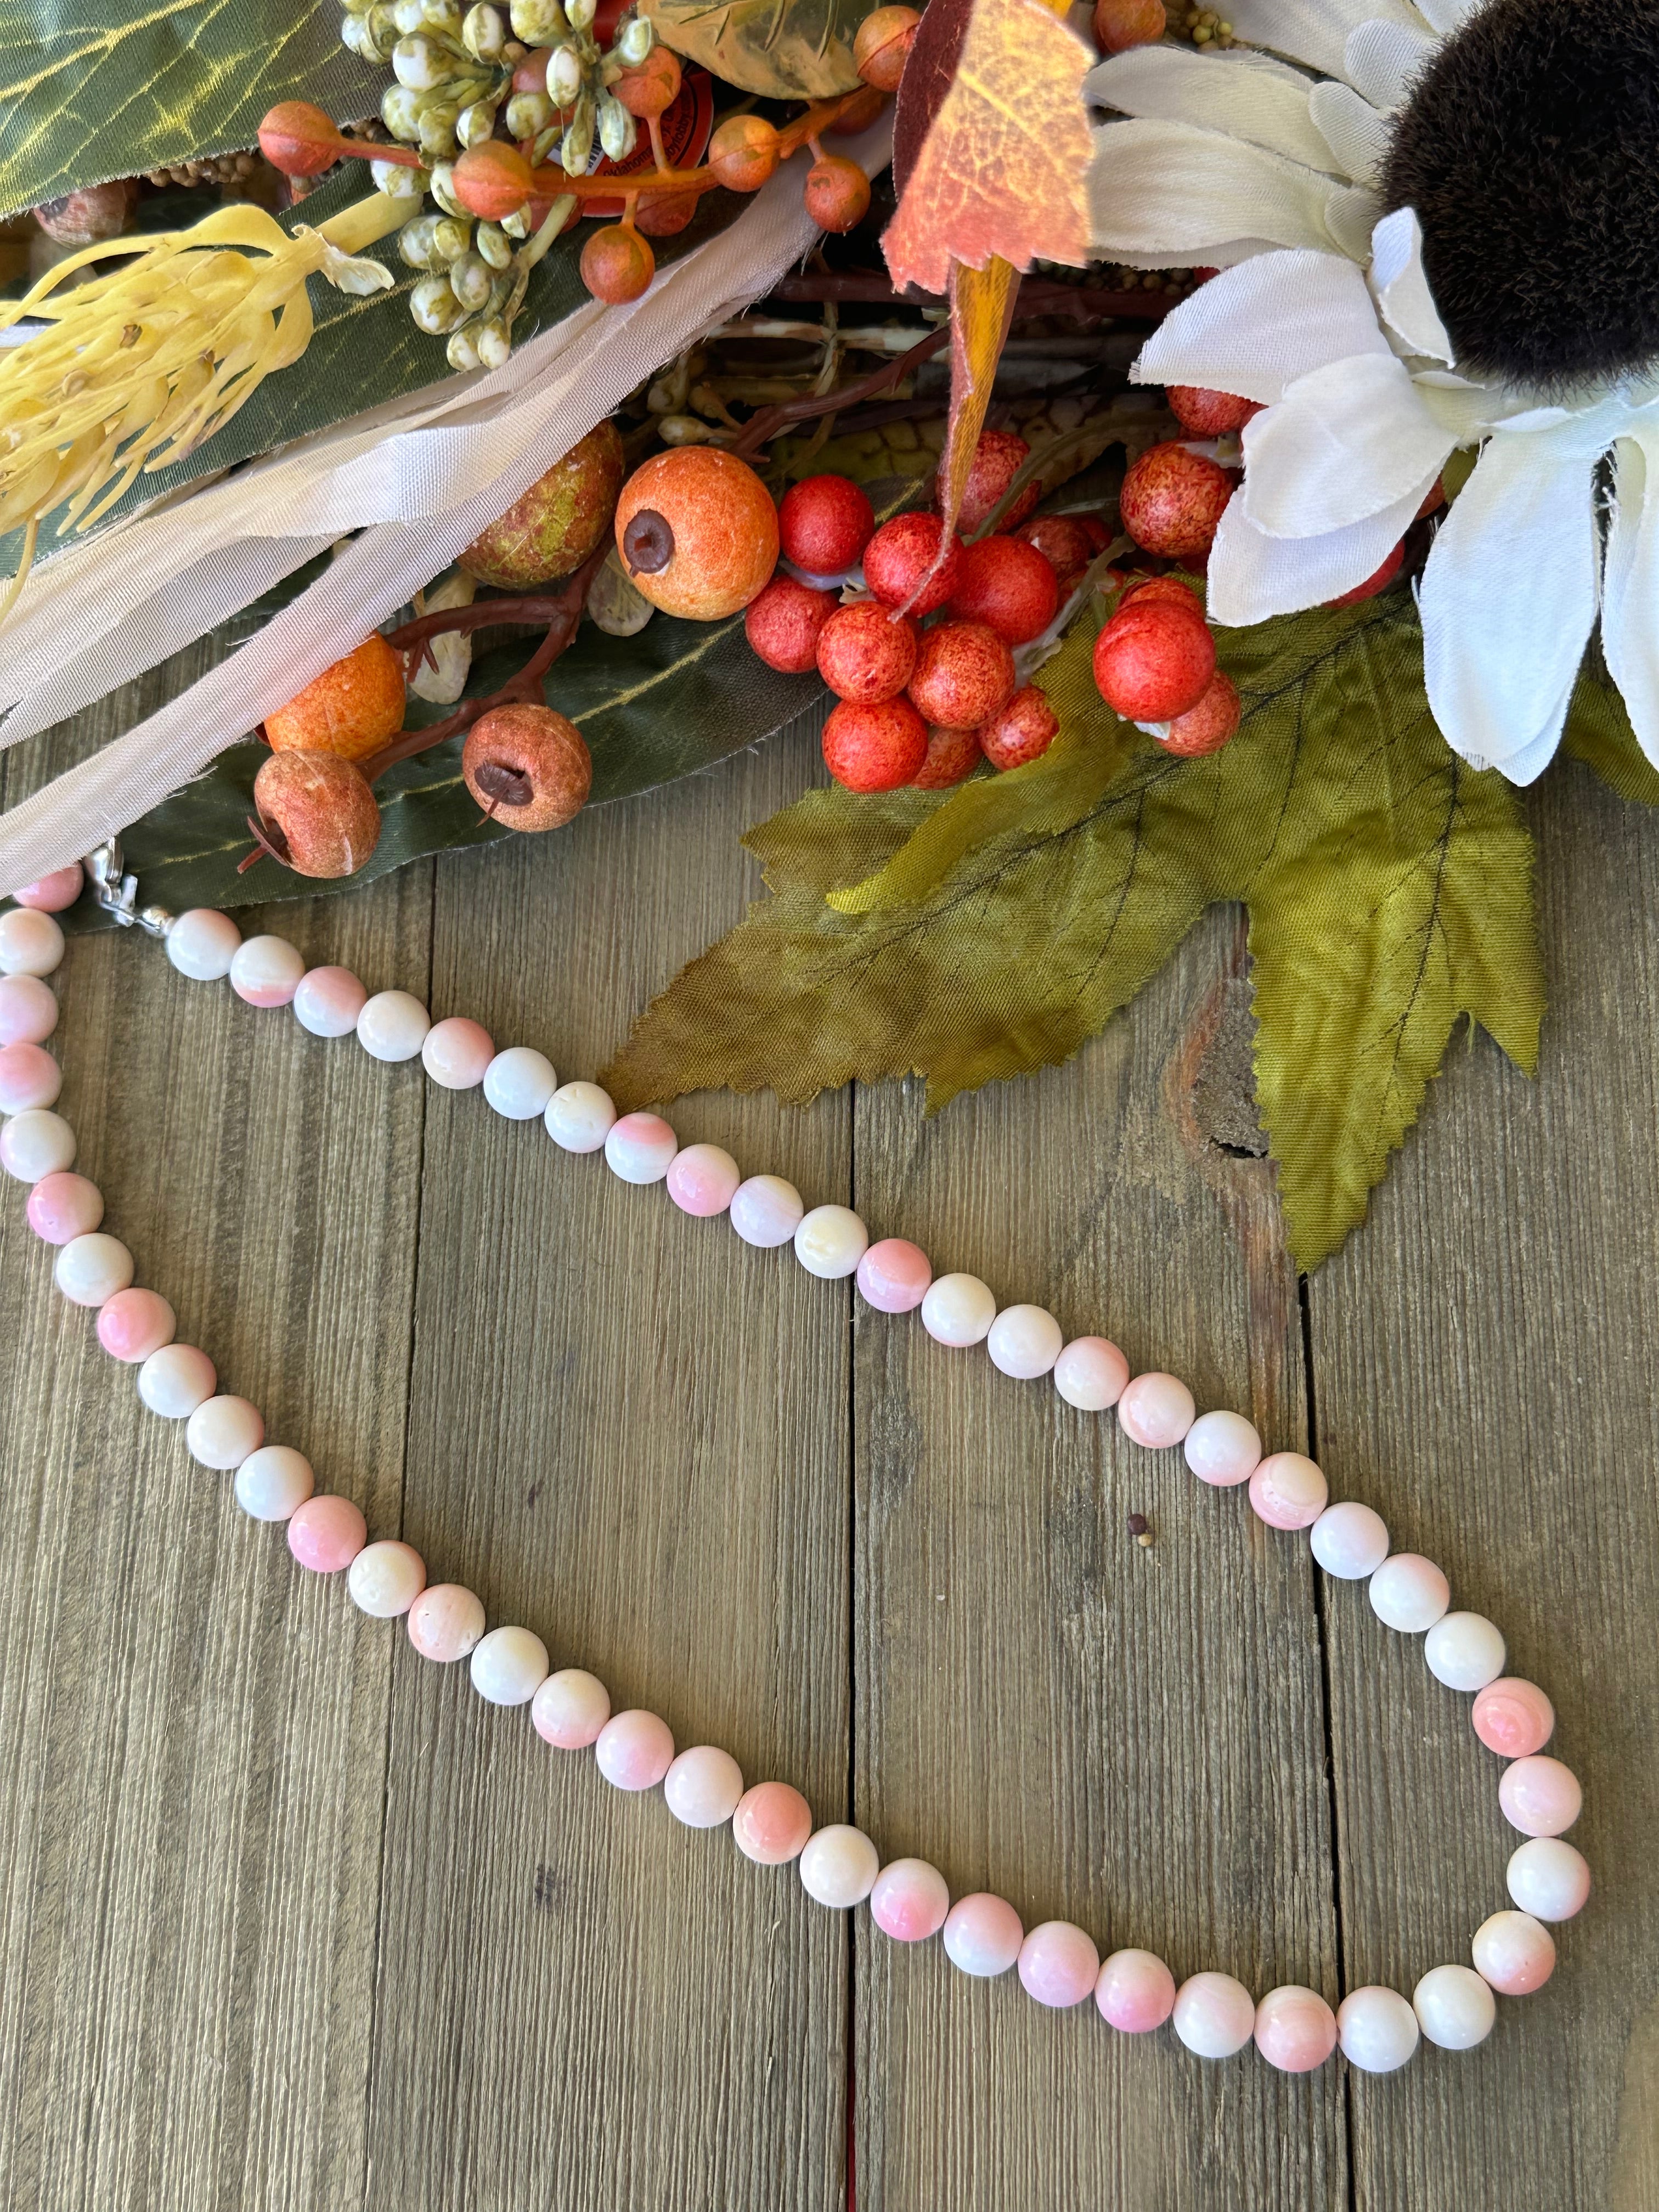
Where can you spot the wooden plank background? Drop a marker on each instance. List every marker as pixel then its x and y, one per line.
pixel 289 1920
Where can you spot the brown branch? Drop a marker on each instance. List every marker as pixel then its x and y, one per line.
pixel 1037 296
pixel 765 425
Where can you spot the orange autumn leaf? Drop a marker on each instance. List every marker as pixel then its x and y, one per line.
pixel 982 303
pixel 1002 169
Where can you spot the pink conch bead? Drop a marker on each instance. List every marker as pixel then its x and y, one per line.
pixel 63 1206
pixel 910 1901
pixel 1513 1953
pixel 702 1180
pixel 1513 1717
pixel 635 1750
pixel 703 1786
pixel 51 894
pixel 28 1010
pixel 445 1622
pixel 1091 1373
pixel 29 1078
pixel 1540 1796
pixel 326 1533
pixel 1135 1992
pixel 1294 2029
pixel 570 1709
pixel 328 1001
pixel 1287 1491
pixel 455 1053
pixel 771 1824
pixel 1156 1410
pixel 267 971
pixel 982 1934
pixel 1222 1448
pixel 639 1148
pixel 134 1323
pixel 1059 1964
pixel 1214 2015
pixel 894 1275
pixel 766 1211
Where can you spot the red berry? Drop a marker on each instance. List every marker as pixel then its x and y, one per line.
pixel 874 748
pixel 1025 728
pixel 1009 584
pixel 1207 726
pixel 997 456
pixel 1099 537
pixel 866 653
pixel 1172 500
pixel 1372 585
pixel 824 523
pixel 1146 591
pixel 837 193
pixel 952 755
pixel 964 675
pixel 1153 663
pixel 1065 544
pixel 897 557
pixel 783 623
pixel 1433 499
pixel 1208 414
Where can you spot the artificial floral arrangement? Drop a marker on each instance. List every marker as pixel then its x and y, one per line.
pixel 1210 464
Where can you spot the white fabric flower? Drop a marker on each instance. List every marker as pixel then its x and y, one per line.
pixel 1323 313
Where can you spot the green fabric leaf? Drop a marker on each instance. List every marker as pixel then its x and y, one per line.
pixel 91 90
pixel 1598 734
pixel 782 49
pixel 994 931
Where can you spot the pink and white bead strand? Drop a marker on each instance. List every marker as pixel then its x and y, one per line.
pixel 1057 1964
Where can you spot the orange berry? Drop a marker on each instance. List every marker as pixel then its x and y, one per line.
pixel 1120 24
pixel 617 264
pixel 492 180
pixel 964 675
pixel 661 214
pixel 349 710
pixel 1025 729
pixel 858 112
pixel 653 86
pixel 875 747
pixel 953 757
pixel 528 768
pixel 1206 727
pixel 743 152
pixel 837 192
pixel 317 811
pixel 299 139
pixel 866 653
pixel 697 533
pixel 882 45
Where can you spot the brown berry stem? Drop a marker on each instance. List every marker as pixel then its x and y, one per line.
pixel 764 426
pixel 1037 296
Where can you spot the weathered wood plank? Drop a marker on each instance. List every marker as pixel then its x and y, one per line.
pixel 628 1430
pixel 193 1734
pixel 1485 1376
pixel 1131 1739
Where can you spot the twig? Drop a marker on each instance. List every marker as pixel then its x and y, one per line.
pixel 1037 296
pixel 764 426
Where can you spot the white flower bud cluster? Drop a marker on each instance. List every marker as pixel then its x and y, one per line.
pixel 462 78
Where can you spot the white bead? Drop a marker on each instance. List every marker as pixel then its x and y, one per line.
pixel 275 1481
pixel 1214 2015
pixel 385 1579
pixel 580 1117
pixel 1548 1878
pixel 830 1241
pixel 1409 1593
pixel 1464 1651
pixel 508 1666
pixel 328 1002
pixel 202 944
pixel 1222 1447
pixel 31 943
pixel 958 1309
pixel 91 1268
pixel 1349 1540
pixel 392 1026
pixel 223 1431
pixel 175 1380
pixel 839 1866
pixel 703 1786
pixel 766 1211
pixel 1454 2008
pixel 36 1144
pixel 1024 1341
pixel 1091 1373
pixel 1376 2029
pixel 520 1082
pixel 266 971
pixel 639 1148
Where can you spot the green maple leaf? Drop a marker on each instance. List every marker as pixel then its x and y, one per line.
pixel 1390 888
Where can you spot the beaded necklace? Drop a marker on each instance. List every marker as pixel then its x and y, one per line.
pixel 1057 1964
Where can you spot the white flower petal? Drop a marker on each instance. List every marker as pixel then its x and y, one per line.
pixel 1252 576
pixel 1381 59
pixel 1356 134
pixel 1255 329
pixel 1509 595
pixel 1345 442
pixel 1167 194
pixel 1446 15
pixel 1402 288
pixel 1244 96
pixel 1313 31
pixel 1351 215
pixel 1629 605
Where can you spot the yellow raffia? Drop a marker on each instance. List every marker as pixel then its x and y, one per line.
pixel 143 364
